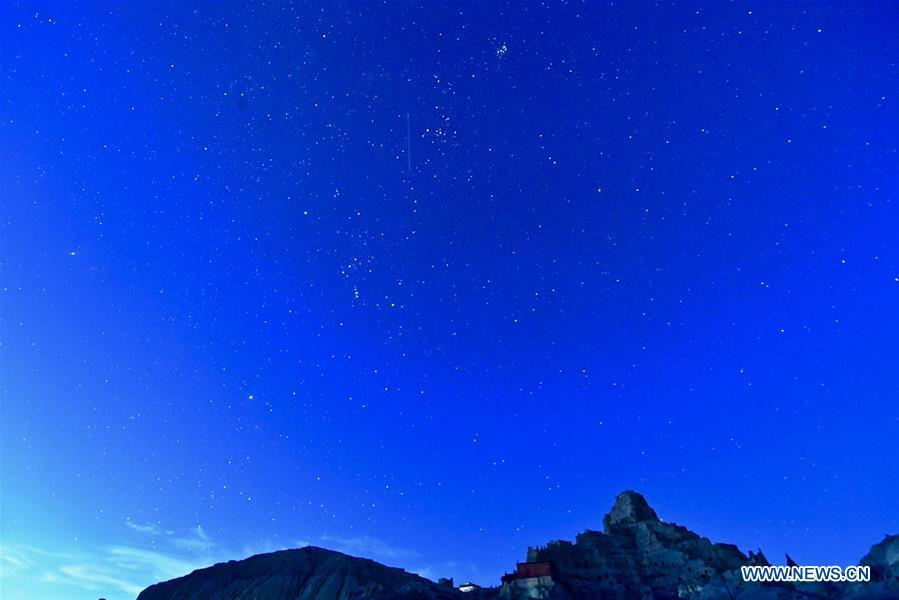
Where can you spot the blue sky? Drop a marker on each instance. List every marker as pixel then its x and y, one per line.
pixel 639 247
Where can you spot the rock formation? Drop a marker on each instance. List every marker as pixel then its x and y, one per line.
pixel 883 558
pixel 639 556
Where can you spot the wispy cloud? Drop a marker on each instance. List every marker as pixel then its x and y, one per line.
pixel 162 565
pixel 13 560
pixel 197 540
pixel 105 570
pixel 149 528
pixel 92 577
pixel 368 547
pixel 123 569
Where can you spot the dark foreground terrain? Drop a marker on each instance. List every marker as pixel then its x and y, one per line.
pixel 636 556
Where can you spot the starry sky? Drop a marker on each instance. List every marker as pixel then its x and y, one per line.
pixel 431 282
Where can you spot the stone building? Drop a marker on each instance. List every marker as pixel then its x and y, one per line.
pixel 532 579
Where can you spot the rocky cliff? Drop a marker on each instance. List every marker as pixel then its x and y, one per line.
pixel 635 556
pixel 639 556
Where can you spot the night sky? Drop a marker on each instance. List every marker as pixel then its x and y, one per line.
pixel 634 246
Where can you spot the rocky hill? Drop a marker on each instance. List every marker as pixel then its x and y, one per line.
pixel 635 556
pixel 305 574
